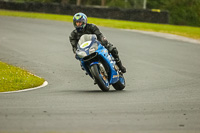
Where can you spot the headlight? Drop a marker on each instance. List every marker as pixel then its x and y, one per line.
pixel 81 54
pixel 93 48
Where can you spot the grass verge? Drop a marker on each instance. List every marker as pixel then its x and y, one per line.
pixel 14 78
pixel 187 31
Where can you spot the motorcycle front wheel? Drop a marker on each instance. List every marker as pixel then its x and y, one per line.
pixel 100 78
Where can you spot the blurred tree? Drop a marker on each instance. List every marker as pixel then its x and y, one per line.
pixel 78 2
pixel 118 3
pixel 64 2
pixel 156 4
pixel 138 4
pixel 103 2
pixel 182 12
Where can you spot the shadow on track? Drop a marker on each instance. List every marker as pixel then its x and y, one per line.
pixel 91 91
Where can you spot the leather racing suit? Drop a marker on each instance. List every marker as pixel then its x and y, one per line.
pixel 93 29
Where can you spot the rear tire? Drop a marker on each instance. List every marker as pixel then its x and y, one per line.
pixel 120 85
pixel 103 85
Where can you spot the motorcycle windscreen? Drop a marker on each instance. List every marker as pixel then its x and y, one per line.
pixel 86 38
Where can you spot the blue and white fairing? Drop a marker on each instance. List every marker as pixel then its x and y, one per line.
pixel 87 45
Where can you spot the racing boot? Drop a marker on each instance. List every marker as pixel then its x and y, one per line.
pixel 121 67
pixel 113 50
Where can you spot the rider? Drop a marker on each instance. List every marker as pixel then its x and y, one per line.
pixel 82 27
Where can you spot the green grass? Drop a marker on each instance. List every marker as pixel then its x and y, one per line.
pixel 187 31
pixel 14 78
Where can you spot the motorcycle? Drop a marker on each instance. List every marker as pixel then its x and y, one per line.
pixel 99 64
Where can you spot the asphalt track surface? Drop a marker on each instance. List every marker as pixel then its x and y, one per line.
pixel 162 93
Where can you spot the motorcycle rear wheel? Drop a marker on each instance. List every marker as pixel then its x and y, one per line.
pixel 102 83
pixel 120 85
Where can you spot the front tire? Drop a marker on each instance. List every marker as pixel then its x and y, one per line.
pixel 99 78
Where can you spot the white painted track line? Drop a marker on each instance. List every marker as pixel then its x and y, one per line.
pixel 29 89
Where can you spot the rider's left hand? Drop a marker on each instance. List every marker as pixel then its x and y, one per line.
pixel 76 56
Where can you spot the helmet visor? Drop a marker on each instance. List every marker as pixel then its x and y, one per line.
pixel 78 23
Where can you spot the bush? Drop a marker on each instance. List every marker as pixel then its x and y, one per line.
pixel 182 12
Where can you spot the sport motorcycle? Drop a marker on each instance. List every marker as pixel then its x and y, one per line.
pixel 99 64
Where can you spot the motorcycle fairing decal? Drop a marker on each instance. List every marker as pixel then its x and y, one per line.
pixel 85 44
pixel 115 76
